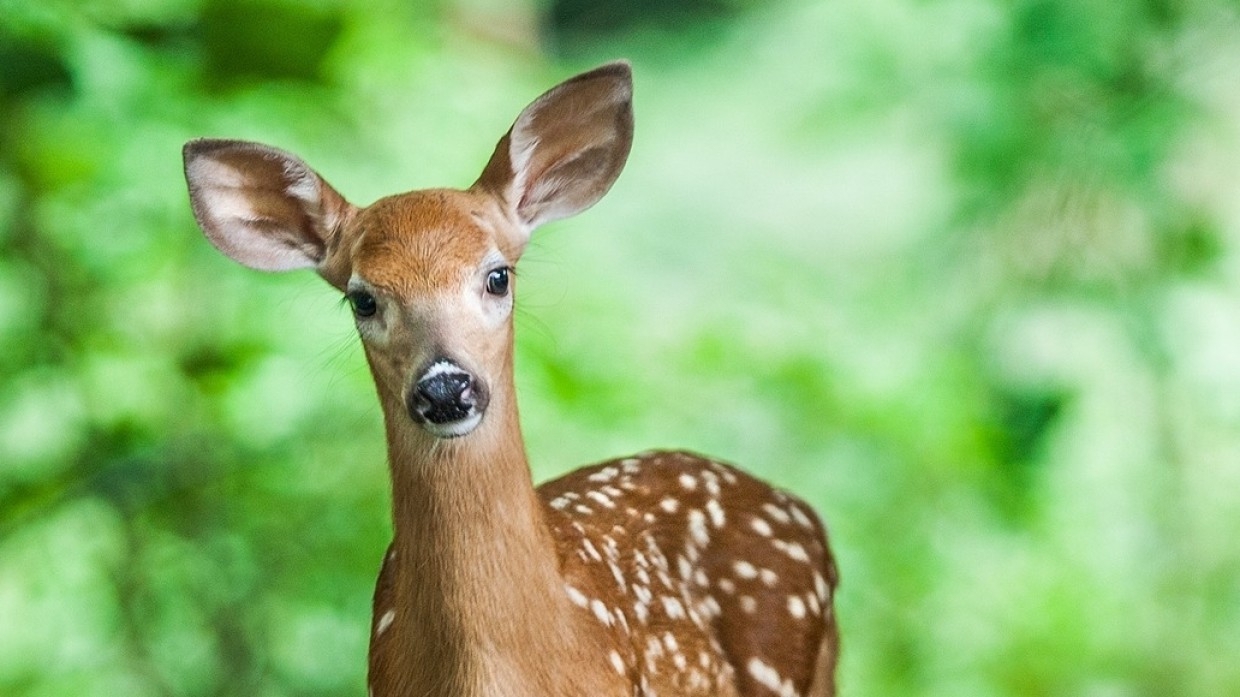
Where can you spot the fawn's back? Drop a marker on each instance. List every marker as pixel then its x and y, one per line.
pixel 706 577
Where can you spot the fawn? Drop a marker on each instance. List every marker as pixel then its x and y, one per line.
pixel 664 573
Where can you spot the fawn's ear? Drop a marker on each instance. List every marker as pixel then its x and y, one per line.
pixel 566 148
pixel 264 207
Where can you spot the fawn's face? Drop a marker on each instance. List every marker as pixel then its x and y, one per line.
pixel 428 273
pixel 431 287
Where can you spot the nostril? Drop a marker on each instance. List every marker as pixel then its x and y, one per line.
pixel 445 389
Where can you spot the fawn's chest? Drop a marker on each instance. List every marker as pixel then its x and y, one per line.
pixel 435 641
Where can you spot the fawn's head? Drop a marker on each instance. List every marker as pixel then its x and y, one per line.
pixel 427 273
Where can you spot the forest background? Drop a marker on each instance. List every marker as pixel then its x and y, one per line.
pixel 963 273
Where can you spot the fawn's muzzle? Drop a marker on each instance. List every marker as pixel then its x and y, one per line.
pixel 447 400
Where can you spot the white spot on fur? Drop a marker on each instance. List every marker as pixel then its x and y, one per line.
pixel 697 528
pixel 684 567
pixel 687 481
pixel 611 548
pixel 748 604
pixel 669 504
pixel 604 475
pixel 577 597
pixel 744 569
pixel 615 572
pixel 600 611
pixel 760 526
pixel 385 621
pixel 642 611
pixel 796 607
pixel 616 661
pixel 712 483
pixel 710 607
pixel 697 681
pixel 643 594
pixel 716 513
pixel 792 549
pixel 769 678
pixel 776 513
pixel 768 577
pixel 820 587
pixel 801 518
pixel 675 610
pixel 621 620
pixel 600 498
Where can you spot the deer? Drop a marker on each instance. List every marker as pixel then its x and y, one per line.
pixel 662 573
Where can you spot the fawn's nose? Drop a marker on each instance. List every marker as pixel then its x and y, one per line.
pixel 447 400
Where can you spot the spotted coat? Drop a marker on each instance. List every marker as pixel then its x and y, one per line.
pixel 708 580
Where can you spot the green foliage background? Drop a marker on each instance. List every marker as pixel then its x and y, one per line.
pixel 963 273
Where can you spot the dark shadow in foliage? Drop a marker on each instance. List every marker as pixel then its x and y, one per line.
pixel 1192 249
pixel 29 68
pixel 578 23
pixel 1022 421
pixel 254 41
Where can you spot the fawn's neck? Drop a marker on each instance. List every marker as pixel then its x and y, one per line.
pixel 476 575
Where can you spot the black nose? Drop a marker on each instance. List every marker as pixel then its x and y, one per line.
pixel 445 394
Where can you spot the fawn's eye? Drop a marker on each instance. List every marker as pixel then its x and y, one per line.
pixel 363 303
pixel 497 282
